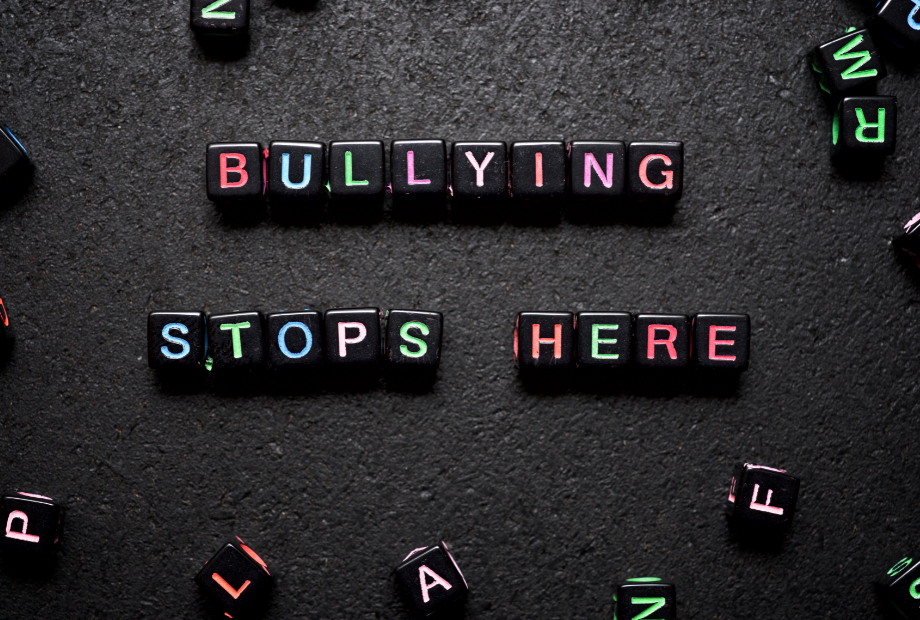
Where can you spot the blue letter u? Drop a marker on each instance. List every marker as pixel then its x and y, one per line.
pixel 286 171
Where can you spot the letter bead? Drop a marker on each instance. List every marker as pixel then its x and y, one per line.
pixel 662 341
pixel 419 168
pixel 479 170
pixel 32 525
pixel 296 172
pixel 656 171
pixel 544 340
pixel 176 340
pixel 413 339
pixel 295 339
pixel 220 17
pixel 430 580
pixel 901 587
pixel 537 170
pixel 236 341
pixel 605 339
pixel 898 21
pixel 236 580
pixel 645 598
pixel 909 240
pixel 353 337
pixel 13 157
pixel 722 341
pixel 865 128
pixel 356 172
pixel 234 171
pixel 762 498
pixel 4 323
pixel 597 170
pixel 848 65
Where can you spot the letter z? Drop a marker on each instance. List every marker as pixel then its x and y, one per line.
pixel 654 604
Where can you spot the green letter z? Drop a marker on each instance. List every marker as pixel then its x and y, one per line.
pixel 654 604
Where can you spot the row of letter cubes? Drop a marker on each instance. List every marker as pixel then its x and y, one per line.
pixel 357 337
pixel 420 169
pixel 558 340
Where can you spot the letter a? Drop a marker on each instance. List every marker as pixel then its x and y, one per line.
pixel 438 581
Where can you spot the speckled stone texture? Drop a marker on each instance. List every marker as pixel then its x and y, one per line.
pixel 547 495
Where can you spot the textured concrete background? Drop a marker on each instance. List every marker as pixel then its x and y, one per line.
pixel 547 497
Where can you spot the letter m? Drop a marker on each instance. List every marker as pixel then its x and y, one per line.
pixel 654 604
pixel 845 53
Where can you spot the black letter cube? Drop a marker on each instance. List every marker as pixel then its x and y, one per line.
pixel 656 171
pixel 663 341
pixel 597 170
pixel 353 337
pixel 419 168
pixel 296 172
pixel 234 172
pixel 413 339
pixel 544 340
pixel 176 340
pixel 605 339
pixel 295 339
pixel 236 341
pixel 479 170
pixel 901 586
pixel 220 17
pixel 538 170
pixel 722 341
pixel 899 22
pixel 236 580
pixel 13 158
pixel 32 525
pixel 645 598
pixel 762 498
pixel 865 127
pixel 430 580
pixel 849 64
pixel 356 172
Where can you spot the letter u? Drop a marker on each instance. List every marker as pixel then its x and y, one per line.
pixel 286 171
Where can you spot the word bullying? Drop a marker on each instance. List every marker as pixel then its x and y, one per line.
pixel 421 169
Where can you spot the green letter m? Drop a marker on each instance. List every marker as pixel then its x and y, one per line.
pixel 852 72
pixel 654 604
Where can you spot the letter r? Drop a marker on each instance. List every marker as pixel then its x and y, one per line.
pixel 667 342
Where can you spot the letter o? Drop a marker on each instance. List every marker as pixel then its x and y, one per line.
pixel 283 346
